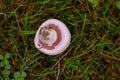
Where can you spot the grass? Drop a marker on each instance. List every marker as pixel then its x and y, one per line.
pixel 94 52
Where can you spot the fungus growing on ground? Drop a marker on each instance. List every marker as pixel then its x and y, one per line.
pixel 52 37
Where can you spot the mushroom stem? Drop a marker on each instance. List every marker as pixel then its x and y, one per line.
pixel 47 35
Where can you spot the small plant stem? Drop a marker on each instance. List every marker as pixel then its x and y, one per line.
pixel 19 27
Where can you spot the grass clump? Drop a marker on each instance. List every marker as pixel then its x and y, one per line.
pixel 94 52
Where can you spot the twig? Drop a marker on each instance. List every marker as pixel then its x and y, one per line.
pixel 18 24
pixel 1 13
pixel 111 57
pixel 62 57
pixel 58 61
pixel 25 63
pixel 58 73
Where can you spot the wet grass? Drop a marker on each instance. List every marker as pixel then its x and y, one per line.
pixel 94 52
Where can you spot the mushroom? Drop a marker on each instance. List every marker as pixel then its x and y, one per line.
pixel 52 37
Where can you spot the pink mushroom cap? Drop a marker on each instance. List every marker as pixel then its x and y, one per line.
pixel 52 37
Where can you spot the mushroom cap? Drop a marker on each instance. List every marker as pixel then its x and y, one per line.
pixel 52 37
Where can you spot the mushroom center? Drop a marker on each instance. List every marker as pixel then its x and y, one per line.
pixel 48 35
